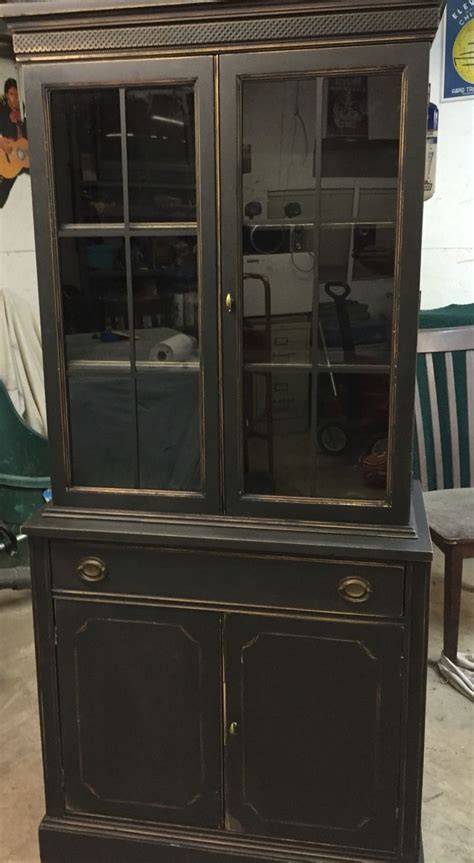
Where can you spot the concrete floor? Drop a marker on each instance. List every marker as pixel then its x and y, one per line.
pixel 449 762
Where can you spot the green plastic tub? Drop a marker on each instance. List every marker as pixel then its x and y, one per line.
pixel 24 465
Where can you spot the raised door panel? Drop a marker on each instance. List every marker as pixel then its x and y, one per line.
pixel 313 742
pixel 140 711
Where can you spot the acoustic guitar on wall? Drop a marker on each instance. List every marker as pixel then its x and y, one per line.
pixel 12 163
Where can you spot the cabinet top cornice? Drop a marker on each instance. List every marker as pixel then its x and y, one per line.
pixel 52 10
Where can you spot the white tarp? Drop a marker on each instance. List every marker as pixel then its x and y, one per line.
pixel 21 367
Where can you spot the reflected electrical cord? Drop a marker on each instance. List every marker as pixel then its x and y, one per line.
pixel 300 118
pixel 282 123
pixel 299 269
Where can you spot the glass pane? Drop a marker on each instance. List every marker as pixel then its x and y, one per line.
pixel 169 430
pixel 352 434
pixel 279 134
pixel 362 252
pixel 94 296
pixel 361 129
pixel 337 451
pixel 102 430
pixel 161 154
pixel 319 200
pixel 165 298
pixel 356 294
pixel 87 155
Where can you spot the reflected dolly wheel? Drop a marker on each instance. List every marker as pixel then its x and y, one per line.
pixel 378 445
pixel 332 438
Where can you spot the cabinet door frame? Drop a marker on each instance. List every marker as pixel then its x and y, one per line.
pixel 40 80
pixel 374 642
pixel 199 631
pixel 412 61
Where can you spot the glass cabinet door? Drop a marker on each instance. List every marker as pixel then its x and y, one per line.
pixel 311 307
pixel 134 235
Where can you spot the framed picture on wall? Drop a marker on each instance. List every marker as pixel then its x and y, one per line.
pixel 347 110
pixel 14 151
pixel 458 80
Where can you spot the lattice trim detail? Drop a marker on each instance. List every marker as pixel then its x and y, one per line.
pixel 225 32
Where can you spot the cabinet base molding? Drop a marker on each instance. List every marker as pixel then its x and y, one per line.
pixel 70 842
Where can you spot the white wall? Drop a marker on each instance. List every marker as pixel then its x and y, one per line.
pixel 447 269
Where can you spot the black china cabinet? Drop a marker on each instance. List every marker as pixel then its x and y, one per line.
pixel 230 586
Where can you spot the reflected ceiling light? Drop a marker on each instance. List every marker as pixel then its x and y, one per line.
pixel 167 120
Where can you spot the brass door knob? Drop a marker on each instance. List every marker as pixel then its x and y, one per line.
pixel 229 302
pixel 233 729
pixel 91 569
pixel 355 589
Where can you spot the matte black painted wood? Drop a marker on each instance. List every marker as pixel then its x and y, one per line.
pixel 48 703
pixel 316 754
pixel 350 541
pixel 324 690
pixel 81 844
pixel 251 580
pixel 413 61
pixel 383 636
pixel 225 493
pixel 140 712
pixel 38 84
pixel 213 7
pixel 417 614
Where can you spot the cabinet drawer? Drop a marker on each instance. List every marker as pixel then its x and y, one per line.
pixel 237 580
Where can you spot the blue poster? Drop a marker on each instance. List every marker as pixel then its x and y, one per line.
pixel 459 50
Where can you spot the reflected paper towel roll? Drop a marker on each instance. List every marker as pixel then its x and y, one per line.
pixel 177 348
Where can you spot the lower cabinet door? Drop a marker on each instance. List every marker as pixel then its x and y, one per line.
pixel 139 692
pixel 313 714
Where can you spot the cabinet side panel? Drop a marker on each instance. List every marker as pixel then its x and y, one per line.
pixel 48 700
pixel 44 219
pixel 418 591
pixel 408 275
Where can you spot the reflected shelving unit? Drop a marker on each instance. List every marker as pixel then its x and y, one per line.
pixel 128 257
pixel 325 241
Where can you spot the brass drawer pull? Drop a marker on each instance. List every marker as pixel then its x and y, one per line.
pixel 91 569
pixel 355 589
pixel 233 729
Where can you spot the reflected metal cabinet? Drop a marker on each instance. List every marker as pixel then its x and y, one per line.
pixel 231 584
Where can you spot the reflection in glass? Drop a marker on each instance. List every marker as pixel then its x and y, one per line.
pixel 161 154
pixel 356 294
pixel 319 197
pixel 361 127
pixel 351 330
pixel 340 454
pixel 94 294
pixel 165 298
pixel 101 430
pixel 87 155
pixel 279 131
pixel 169 430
